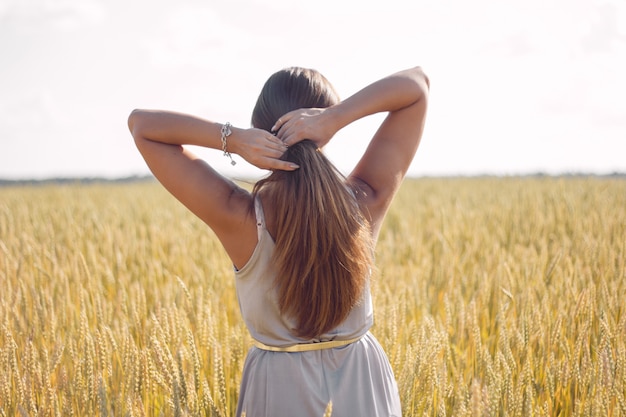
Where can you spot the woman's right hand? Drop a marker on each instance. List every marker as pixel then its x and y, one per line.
pixel 313 123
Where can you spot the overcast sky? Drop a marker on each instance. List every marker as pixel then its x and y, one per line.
pixel 517 86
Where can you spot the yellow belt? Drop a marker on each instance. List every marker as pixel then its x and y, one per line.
pixel 305 347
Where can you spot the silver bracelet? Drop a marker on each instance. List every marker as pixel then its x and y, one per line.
pixel 226 132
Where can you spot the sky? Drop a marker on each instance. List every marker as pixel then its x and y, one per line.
pixel 517 86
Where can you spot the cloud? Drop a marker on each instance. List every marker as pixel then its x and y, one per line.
pixel 32 109
pixel 607 29
pixel 63 15
pixel 73 15
pixel 191 35
pixel 72 69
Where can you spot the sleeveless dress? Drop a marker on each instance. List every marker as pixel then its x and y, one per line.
pixel 357 378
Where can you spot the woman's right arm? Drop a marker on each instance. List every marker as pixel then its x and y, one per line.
pixel 380 171
pixel 160 136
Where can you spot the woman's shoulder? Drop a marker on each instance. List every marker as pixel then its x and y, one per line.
pixel 237 231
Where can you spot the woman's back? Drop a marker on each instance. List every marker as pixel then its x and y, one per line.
pixel 259 299
pixel 355 378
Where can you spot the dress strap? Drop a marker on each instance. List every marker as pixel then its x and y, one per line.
pixel 260 217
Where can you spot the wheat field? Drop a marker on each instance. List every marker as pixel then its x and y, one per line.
pixel 492 297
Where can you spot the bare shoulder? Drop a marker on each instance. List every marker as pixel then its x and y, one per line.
pixel 237 230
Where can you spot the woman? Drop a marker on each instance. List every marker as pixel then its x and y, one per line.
pixel 302 241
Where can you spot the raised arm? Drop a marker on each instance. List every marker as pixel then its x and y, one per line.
pixel 380 171
pixel 219 202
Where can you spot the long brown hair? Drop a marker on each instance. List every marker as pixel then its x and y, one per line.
pixel 323 250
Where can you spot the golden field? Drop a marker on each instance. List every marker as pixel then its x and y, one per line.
pixel 493 297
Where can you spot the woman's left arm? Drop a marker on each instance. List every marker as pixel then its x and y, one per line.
pixel 219 202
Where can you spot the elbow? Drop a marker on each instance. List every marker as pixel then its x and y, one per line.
pixel 135 125
pixel 416 84
pixel 426 80
pixel 423 83
pixel 421 76
pixel 132 121
pixel 421 80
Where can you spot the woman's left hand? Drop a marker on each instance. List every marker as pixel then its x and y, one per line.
pixel 260 148
pixel 313 124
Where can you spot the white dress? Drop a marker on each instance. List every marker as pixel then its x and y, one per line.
pixel 357 378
